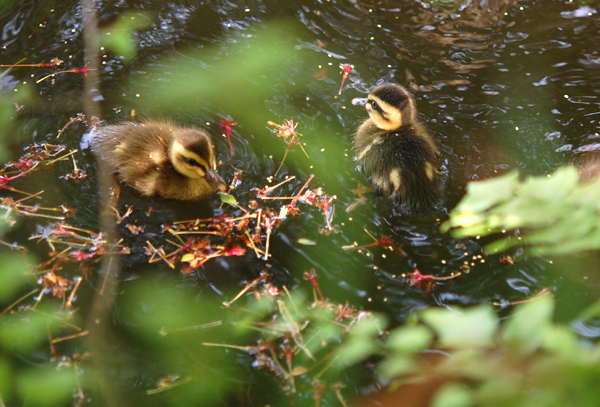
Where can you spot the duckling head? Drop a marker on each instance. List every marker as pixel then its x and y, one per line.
pixel 191 154
pixel 389 106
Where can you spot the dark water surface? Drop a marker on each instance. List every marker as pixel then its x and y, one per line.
pixel 501 85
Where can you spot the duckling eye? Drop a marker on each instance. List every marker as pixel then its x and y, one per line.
pixel 375 106
pixel 193 163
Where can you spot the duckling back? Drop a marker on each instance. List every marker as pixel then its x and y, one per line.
pixel 401 158
pixel 124 145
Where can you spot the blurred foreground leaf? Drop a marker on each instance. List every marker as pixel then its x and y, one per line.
pixel 470 328
pixel 556 213
pixel 47 386
pixel 410 339
pixel 169 321
pixel 5 377
pixel 475 360
pixel 234 76
pixel 362 341
pixel 8 112
pixel 525 331
pixel 12 275
pixel 25 331
pixel 119 37
pixel 453 395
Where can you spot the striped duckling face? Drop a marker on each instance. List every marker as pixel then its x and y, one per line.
pixel 390 107
pixel 192 155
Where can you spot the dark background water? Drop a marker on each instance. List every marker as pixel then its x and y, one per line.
pixel 501 85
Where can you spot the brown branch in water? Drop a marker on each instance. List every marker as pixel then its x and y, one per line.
pixel 99 320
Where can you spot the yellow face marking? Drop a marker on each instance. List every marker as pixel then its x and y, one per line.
pixel 396 178
pixel 391 117
pixel 429 171
pixel 197 166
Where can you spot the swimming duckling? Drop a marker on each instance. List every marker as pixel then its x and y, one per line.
pixel 158 158
pixel 395 150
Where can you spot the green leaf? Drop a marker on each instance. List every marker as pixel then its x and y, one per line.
pixel 119 36
pixel 525 330
pixel 24 332
pixel 6 378
pixel 481 196
pixel 362 341
pixel 503 387
pixel 397 365
pixel 555 213
pixel 47 386
pixel 591 311
pixel 234 75
pixel 453 395
pixel 8 113
pixel 410 339
pixel 228 199
pixel 474 327
pixel 561 340
pixel 13 275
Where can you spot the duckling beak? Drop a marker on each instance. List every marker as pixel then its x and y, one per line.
pixel 360 102
pixel 215 181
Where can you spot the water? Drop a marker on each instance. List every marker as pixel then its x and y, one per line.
pixel 499 87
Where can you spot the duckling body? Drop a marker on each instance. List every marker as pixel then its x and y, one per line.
pixel 158 158
pixel 395 150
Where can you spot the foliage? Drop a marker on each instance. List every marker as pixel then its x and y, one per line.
pixel 526 361
pixel 554 214
pixel 120 38
pixel 8 101
pixel 234 82
pixel 26 329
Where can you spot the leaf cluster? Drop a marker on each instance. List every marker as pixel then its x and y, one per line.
pixel 550 214
pixel 526 361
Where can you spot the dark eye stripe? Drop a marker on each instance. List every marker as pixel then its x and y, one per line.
pixel 194 163
pixel 375 106
pixel 378 109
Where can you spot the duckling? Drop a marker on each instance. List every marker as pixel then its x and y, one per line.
pixel 395 150
pixel 159 158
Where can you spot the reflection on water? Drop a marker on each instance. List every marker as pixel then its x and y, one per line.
pixel 498 87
